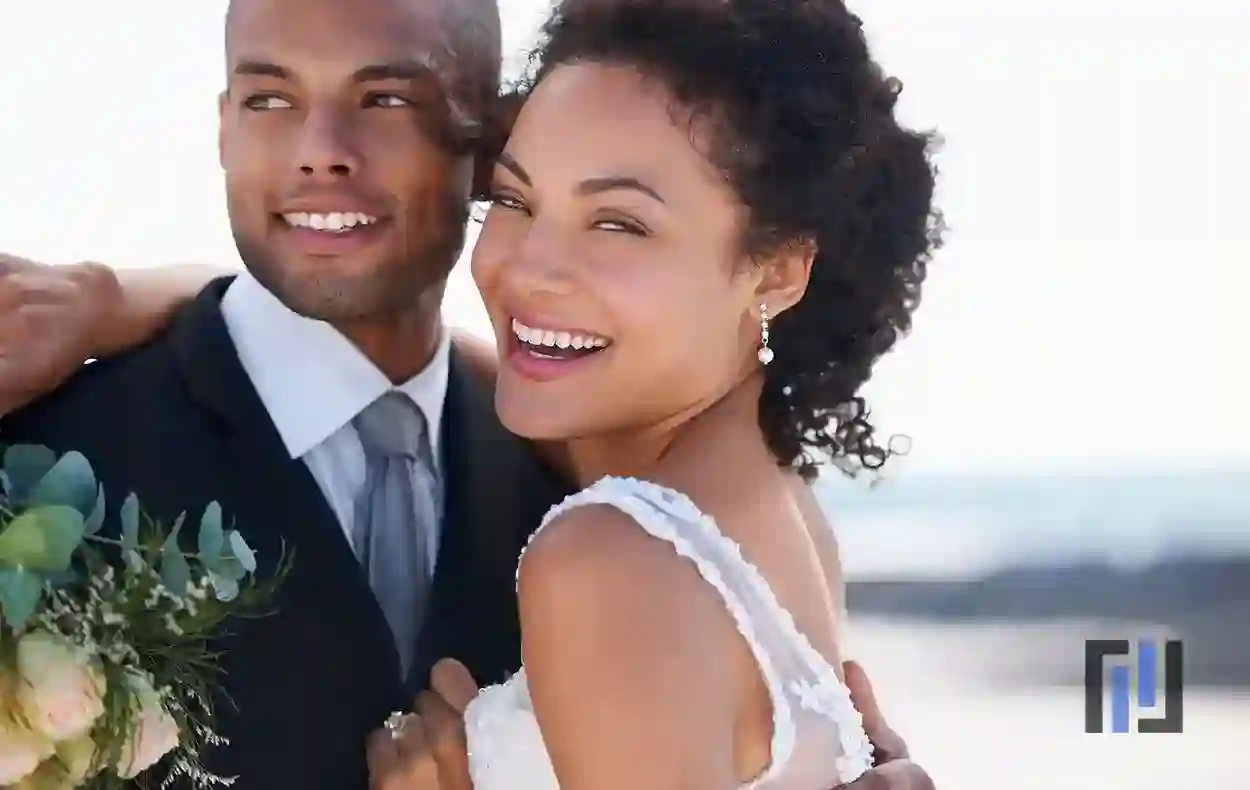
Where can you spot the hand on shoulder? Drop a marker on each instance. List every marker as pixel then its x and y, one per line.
pixel 50 324
pixel 55 318
pixel 894 768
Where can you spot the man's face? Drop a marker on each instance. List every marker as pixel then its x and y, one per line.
pixel 346 152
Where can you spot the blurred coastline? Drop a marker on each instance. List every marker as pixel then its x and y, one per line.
pixel 971 597
pixel 1032 622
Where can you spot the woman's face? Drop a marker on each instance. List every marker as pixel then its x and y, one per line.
pixel 610 262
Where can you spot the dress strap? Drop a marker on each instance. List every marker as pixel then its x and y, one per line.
pixel 670 516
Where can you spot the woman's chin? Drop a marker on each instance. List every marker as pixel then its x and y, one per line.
pixel 538 421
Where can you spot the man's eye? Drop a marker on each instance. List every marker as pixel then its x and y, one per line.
pixel 386 100
pixel 265 102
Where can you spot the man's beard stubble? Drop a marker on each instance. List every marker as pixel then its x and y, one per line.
pixel 387 292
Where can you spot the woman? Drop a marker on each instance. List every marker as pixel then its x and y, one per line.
pixel 688 289
pixel 705 229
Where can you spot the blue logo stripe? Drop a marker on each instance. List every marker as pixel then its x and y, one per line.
pixel 1147 673
pixel 1120 680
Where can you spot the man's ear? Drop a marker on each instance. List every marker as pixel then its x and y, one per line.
pixel 495 131
pixel 223 104
pixel 785 276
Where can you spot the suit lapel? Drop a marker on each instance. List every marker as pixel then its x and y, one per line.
pixel 283 501
pixel 496 494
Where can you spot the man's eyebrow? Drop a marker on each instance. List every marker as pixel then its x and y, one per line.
pixel 259 68
pixel 396 70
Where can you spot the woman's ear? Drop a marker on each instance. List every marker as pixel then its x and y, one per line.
pixel 784 277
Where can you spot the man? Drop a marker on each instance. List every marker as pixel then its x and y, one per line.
pixel 349 133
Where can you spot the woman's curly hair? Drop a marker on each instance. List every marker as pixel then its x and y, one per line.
pixel 802 125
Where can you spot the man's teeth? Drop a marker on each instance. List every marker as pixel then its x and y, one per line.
pixel 556 339
pixel 335 222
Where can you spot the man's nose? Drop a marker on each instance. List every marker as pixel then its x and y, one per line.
pixel 327 145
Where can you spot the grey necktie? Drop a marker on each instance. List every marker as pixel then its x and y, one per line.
pixel 396 514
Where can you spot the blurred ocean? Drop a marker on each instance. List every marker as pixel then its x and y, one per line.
pixel 971 597
pixel 926 524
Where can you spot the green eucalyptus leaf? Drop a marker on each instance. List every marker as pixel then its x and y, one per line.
pixel 69 482
pixel 136 563
pixel 225 588
pixel 25 464
pixel 42 539
pixel 130 522
pixel 96 519
pixel 229 567
pixel 20 591
pixel 175 571
pixel 6 485
pixel 241 551
pixel 212 538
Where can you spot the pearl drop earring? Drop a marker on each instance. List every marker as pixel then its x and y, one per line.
pixel 765 354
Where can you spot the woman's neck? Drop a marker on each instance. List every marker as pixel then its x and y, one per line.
pixel 637 452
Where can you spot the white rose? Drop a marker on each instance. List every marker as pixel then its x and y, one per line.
pixel 21 751
pixel 154 733
pixel 78 757
pixel 71 767
pixel 61 691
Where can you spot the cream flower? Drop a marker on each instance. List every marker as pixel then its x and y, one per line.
pixel 49 776
pixel 21 751
pixel 61 689
pixel 68 770
pixel 79 759
pixel 155 732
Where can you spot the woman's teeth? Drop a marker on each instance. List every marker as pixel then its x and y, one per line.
pixel 335 222
pixel 556 343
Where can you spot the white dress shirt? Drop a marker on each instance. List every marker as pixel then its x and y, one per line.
pixel 313 381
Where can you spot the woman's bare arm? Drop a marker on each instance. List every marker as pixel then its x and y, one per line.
pixel 55 318
pixel 149 300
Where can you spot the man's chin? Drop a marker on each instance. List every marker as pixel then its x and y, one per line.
pixel 331 291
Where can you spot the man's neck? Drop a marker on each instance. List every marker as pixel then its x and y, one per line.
pixel 401 347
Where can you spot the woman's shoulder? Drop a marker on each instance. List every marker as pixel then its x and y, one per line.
pixel 777 527
pixel 599 565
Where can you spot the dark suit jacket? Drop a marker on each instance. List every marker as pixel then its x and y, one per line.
pixel 179 423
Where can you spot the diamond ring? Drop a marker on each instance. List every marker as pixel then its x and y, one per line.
pixel 395 724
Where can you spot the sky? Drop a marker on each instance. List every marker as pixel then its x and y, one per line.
pixel 1087 310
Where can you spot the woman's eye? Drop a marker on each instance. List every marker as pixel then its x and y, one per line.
pixel 506 201
pixel 386 101
pixel 620 226
pixel 266 102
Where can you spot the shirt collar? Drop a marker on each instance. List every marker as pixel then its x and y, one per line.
pixel 313 380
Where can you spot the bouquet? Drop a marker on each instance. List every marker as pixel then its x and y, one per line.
pixel 105 665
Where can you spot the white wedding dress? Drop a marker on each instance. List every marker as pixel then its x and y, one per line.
pixel 818 739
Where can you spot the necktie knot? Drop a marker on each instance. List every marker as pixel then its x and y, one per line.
pixel 392 426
